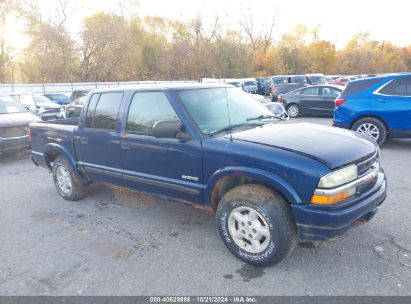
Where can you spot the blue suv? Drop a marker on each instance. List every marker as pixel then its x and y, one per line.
pixel 379 107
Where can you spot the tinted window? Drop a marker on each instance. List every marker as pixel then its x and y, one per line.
pixel 311 91
pixel 358 86
pixel 279 80
pixel 327 91
pixel 91 109
pixel 298 79
pixel 147 108
pixel 398 87
pixel 106 111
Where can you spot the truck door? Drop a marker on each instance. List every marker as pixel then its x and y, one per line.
pixel 165 166
pixel 99 139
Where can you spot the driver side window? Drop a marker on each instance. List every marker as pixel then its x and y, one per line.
pixel 146 109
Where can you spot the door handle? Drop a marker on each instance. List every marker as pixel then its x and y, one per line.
pixel 84 140
pixel 125 145
pixel 382 100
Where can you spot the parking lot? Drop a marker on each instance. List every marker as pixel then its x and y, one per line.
pixel 120 242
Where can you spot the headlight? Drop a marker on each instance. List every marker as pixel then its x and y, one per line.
pixel 338 177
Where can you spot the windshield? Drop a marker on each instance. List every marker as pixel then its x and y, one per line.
pixel 317 80
pixel 217 108
pixel 41 99
pixel 58 97
pixel 8 105
pixel 279 80
pixel 235 83
pixel 250 83
pixel 299 79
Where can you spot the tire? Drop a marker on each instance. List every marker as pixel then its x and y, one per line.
pixel 293 110
pixel 269 215
pixel 68 184
pixel 372 127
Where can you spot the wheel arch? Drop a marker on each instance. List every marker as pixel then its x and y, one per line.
pixel 52 151
pixel 362 116
pixel 228 178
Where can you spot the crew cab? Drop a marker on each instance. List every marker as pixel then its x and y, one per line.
pixel 270 182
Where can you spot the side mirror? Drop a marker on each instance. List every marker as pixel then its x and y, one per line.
pixel 167 128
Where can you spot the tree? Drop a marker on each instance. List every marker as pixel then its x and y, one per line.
pixel 7 7
pixel 108 51
pixel 51 55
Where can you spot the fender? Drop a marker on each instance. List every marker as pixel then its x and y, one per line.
pixel 275 181
pixel 56 147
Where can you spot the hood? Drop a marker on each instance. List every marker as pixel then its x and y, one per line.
pixel 331 146
pixel 48 105
pixel 17 119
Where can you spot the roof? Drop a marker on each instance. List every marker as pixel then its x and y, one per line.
pixel 381 77
pixel 164 87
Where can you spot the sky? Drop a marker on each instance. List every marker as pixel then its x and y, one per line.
pixel 338 20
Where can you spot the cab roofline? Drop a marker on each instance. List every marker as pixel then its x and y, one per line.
pixel 164 87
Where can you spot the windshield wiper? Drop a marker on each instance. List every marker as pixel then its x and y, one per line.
pixel 262 117
pixel 234 126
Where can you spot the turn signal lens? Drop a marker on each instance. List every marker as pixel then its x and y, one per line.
pixel 331 199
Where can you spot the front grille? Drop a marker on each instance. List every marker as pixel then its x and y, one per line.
pixel 13 131
pixel 368 164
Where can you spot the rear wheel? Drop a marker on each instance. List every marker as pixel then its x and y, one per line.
pixel 293 110
pixel 371 127
pixel 68 184
pixel 256 225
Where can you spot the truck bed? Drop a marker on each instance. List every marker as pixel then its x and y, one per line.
pixel 56 133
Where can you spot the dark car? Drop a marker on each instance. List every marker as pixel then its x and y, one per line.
pixel 249 85
pixel 279 79
pixel 301 79
pixel 311 100
pixel 73 109
pixel 379 107
pixel 77 94
pixel 283 89
pixel 14 121
pixel 263 86
pixel 39 105
pixel 61 99
pixel 270 183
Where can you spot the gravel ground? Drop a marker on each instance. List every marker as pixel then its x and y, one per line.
pixel 120 242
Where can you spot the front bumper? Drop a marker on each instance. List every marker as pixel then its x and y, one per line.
pixel 320 224
pixel 14 144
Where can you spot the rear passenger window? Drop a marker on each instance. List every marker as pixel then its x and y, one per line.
pixel 397 87
pixel 106 111
pixel 358 86
pixel 327 91
pixel 146 109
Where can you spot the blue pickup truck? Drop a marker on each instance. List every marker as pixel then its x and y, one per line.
pixel 271 183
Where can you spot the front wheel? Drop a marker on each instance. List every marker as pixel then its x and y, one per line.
pixel 371 127
pixel 256 225
pixel 293 110
pixel 68 184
